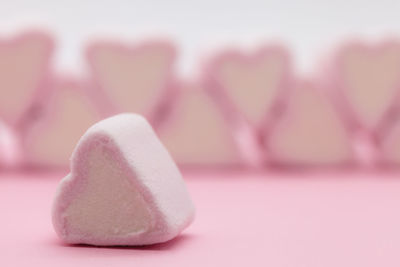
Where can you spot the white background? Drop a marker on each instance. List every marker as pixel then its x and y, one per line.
pixel 308 27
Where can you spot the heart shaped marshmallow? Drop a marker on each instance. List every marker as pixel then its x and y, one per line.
pixel 196 132
pixel 70 111
pixel 309 133
pixel 252 84
pixel 24 71
pixel 133 78
pixel 368 81
pixel 123 189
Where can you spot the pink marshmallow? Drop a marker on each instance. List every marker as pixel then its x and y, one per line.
pixel 24 77
pixel 135 79
pixel 366 78
pixel 24 81
pixel 69 112
pixel 123 189
pixel 251 89
pixel 254 82
pixel 310 132
pixel 196 132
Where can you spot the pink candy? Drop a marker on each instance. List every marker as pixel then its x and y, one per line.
pixel 196 132
pixel 365 81
pixel 310 132
pixel 25 77
pixel 123 189
pixel 25 73
pixel 70 112
pixel 250 89
pixel 137 78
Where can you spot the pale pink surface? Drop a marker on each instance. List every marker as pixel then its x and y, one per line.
pixel 243 219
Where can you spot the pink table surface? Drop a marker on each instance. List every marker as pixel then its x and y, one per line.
pixel 243 219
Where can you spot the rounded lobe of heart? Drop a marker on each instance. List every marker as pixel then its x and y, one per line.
pixel 51 142
pixel 371 81
pixel 253 86
pixel 310 131
pixel 108 206
pixel 22 68
pixel 197 134
pixel 132 80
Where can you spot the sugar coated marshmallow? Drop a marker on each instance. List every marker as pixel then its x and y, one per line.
pixel 123 189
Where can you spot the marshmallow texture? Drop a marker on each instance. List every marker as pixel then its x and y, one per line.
pixel 123 189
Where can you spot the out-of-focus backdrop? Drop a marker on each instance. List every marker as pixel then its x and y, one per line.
pixel 249 84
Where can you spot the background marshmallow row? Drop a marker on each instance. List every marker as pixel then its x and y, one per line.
pixel 243 109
